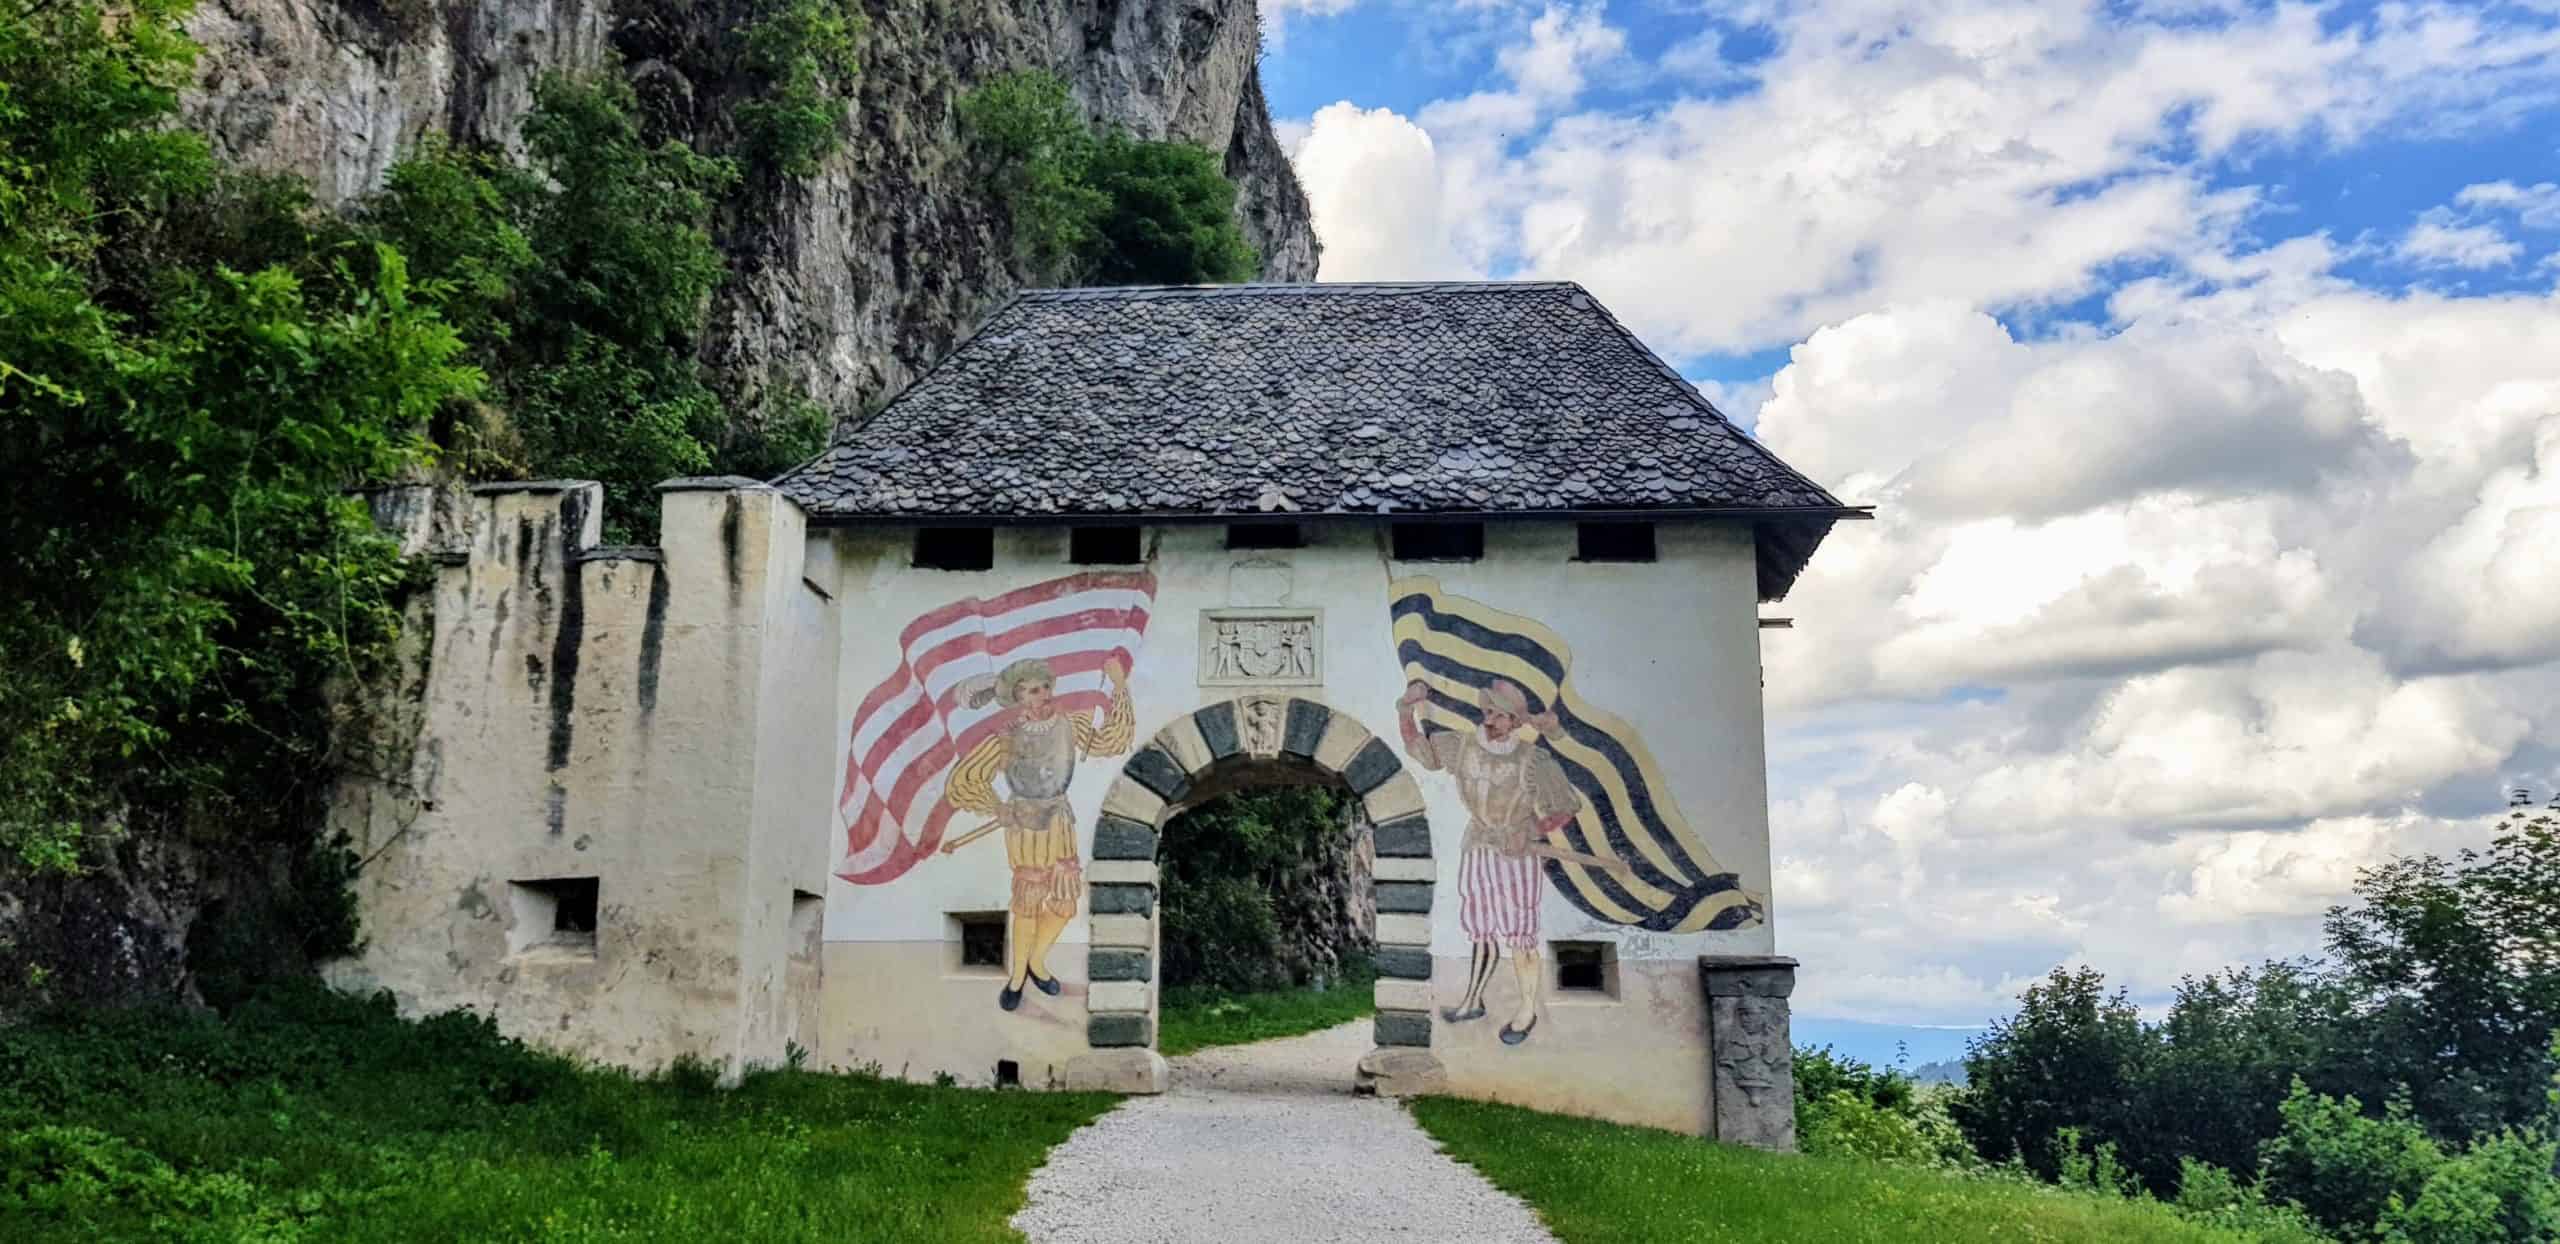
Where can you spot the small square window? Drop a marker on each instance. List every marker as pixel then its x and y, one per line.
pixel 955 548
pixel 1008 1073
pixel 1437 542
pixel 1585 967
pixel 1265 536
pixel 1104 546
pixel 981 939
pixel 558 912
pixel 1614 542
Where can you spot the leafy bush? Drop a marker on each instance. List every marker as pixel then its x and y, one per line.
pixel 2210 1195
pixel 2498 1189
pixel 806 52
pixel 1171 219
pixel 2066 1061
pixel 1107 210
pixel 2343 1166
pixel 197 373
pixel 585 279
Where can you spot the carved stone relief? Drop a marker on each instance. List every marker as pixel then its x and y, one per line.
pixel 1261 722
pixel 1261 647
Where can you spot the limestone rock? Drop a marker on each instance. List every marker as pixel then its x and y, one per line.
pixel 845 284
pixel 1116 1071
pixel 1400 1071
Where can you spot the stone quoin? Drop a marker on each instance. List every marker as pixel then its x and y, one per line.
pixel 869 765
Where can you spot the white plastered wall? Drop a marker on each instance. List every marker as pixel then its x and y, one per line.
pixel 1670 646
pixel 654 719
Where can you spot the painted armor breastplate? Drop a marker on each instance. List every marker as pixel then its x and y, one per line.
pixel 1043 758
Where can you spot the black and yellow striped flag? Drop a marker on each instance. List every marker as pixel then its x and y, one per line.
pixel 1456 647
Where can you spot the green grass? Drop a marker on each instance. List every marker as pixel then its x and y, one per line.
pixel 1599 1183
pixel 1194 1018
pixel 330 1120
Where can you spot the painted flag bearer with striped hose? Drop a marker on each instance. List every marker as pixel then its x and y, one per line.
pixel 1516 795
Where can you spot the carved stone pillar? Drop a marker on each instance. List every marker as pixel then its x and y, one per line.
pixel 1750 1057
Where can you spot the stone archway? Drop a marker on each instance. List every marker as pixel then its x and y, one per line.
pixel 1181 767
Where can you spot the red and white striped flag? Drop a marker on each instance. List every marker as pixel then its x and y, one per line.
pixel 918 722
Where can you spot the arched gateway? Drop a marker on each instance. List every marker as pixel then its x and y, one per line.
pixel 1222 747
pixel 870 762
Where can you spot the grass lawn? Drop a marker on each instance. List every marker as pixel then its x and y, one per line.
pixel 326 1119
pixel 1598 1183
pixel 1193 1018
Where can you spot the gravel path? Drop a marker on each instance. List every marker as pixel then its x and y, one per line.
pixel 1265 1142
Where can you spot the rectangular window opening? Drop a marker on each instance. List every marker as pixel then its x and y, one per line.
pixel 1613 542
pixel 1265 536
pixel 1586 967
pixel 553 912
pixel 955 548
pixel 1008 1073
pixel 1437 542
pixel 1105 546
pixel 979 937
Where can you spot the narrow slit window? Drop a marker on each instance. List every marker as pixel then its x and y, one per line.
pixel 1438 542
pixel 1265 536
pixel 1614 542
pixel 1104 546
pixel 808 922
pixel 955 548
pixel 1583 967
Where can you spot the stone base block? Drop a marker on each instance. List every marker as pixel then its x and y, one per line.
pixel 1115 1071
pixel 1400 1071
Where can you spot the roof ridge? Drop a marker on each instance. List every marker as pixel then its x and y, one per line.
pixel 1269 289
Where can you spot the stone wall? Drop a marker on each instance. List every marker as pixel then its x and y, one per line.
pixel 602 839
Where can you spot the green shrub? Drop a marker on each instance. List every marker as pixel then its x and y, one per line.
pixel 1107 210
pixel 1171 219
pixel 1848 1124
pixel 2498 1189
pixel 196 373
pixel 2210 1195
pixel 585 279
pixel 806 53
pixel 2345 1167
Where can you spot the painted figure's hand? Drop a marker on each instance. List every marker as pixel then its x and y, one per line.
pixel 1415 693
pixel 1545 724
pixel 1116 672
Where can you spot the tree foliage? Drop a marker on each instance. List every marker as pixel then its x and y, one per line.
pixel 1105 209
pixel 582 279
pixel 1251 889
pixel 806 52
pixel 195 371
pixel 2393 1092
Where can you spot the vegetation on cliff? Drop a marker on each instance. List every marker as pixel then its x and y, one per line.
pixel 195 372
pixel 199 366
pixel 1105 209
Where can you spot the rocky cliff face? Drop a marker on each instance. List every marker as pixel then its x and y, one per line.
pixel 846 283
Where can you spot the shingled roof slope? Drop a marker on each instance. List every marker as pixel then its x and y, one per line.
pixel 1195 402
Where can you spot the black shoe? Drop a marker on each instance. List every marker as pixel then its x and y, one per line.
pixel 1010 998
pixel 1046 984
pixel 1452 1015
pixel 1514 1036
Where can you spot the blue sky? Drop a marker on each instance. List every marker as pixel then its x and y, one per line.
pixel 2201 357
